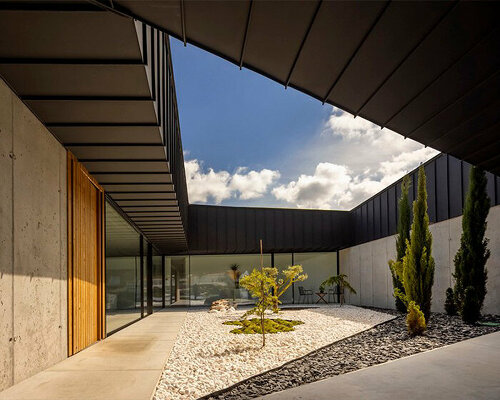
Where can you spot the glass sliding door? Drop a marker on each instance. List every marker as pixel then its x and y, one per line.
pixel 318 267
pixel 123 272
pixel 158 280
pixel 179 280
pixel 168 279
pixel 144 258
pixel 214 277
pixel 283 261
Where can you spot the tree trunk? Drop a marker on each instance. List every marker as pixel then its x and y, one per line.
pixel 262 327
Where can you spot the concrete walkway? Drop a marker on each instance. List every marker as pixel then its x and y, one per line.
pixel 125 366
pixel 465 370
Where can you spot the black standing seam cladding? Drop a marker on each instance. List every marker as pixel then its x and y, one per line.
pixel 230 230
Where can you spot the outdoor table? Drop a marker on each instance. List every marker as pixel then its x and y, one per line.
pixel 321 296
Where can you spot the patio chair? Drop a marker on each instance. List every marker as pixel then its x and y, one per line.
pixel 336 293
pixel 305 293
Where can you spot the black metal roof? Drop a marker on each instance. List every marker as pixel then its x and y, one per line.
pixel 427 70
pixel 103 85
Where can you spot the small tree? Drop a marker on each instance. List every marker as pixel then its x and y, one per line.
pixel 470 261
pixel 396 267
pixel 264 285
pixel 418 263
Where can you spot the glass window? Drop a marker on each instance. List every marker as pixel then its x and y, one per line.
pixel 318 267
pixel 214 277
pixel 123 290
pixel 157 280
pixel 145 276
pixel 282 261
pixel 168 273
pixel 178 268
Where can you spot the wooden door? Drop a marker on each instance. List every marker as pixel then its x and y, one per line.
pixel 85 258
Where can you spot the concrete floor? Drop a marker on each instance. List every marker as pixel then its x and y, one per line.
pixel 125 366
pixel 465 370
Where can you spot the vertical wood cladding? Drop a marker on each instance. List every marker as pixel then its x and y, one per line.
pixel 85 258
pixel 217 230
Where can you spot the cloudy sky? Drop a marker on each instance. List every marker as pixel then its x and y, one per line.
pixel 249 142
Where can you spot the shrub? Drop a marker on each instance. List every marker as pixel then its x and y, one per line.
pixel 470 305
pixel 470 260
pixel 418 263
pixel 253 326
pixel 415 320
pixel 401 241
pixel 449 304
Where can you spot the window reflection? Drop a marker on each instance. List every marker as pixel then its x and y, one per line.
pixel 318 267
pixel 123 291
pixel 213 277
pixel 157 280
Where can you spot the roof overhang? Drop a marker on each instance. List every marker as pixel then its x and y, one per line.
pixel 100 83
pixel 426 70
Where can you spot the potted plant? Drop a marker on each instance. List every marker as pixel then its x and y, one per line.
pixel 341 282
pixel 234 273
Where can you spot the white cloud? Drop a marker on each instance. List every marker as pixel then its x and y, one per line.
pixel 362 132
pixel 202 186
pixel 338 187
pixel 352 160
pixel 252 184
pixel 383 155
pixel 221 185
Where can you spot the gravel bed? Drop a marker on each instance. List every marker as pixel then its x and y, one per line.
pixel 206 357
pixel 385 342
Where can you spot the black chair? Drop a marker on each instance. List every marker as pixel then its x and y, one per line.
pixel 304 293
pixel 337 293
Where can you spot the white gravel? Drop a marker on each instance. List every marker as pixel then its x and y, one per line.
pixel 207 357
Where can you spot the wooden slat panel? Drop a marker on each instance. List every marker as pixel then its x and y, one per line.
pixel 86 258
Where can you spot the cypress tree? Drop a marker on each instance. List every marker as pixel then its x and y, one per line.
pixel 418 263
pixel 470 260
pixel 401 240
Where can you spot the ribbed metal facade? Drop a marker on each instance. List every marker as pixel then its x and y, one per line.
pixel 447 185
pixel 215 229
pixel 219 230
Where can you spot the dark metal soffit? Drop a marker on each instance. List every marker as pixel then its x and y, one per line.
pixel 421 69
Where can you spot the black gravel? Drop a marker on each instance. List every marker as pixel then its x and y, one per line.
pixel 382 343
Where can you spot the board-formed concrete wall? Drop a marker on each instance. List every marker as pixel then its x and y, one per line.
pixel 368 272
pixel 33 244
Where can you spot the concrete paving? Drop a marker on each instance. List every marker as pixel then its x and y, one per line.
pixel 125 366
pixel 465 370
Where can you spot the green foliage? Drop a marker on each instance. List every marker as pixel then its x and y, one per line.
pixel 449 304
pixel 252 326
pixel 264 285
pixel 415 320
pixel 396 266
pixel 418 263
pixel 470 305
pixel 470 260
pixel 340 280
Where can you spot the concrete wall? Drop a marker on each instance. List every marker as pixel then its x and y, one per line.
pixel 33 256
pixel 368 271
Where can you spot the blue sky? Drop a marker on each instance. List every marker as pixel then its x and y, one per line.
pixel 248 141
